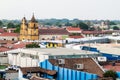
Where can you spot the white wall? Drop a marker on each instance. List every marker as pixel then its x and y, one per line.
pixel 11 76
pixel 58 37
pixel 8 37
pixel 3 60
pixel 25 61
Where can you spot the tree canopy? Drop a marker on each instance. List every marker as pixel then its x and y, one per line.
pixel 1 23
pixel 83 26
pixel 33 45
pixel 17 28
pixel 110 73
pixel 115 28
pixel 10 25
pixel 112 23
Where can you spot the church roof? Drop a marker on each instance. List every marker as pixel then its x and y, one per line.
pixel 24 20
pixel 33 19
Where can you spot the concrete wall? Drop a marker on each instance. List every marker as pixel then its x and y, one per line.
pixel 9 38
pixel 57 37
pixel 25 61
pixel 11 76
pixel 3 60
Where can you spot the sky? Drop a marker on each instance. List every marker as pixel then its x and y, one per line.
pixel 70 9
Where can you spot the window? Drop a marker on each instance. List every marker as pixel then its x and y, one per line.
pixel 12 39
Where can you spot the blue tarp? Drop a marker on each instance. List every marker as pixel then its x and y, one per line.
pixel 111 56
pixel 87 48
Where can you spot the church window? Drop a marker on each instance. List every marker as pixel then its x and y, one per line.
pixel 13 39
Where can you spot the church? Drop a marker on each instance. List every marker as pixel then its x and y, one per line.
pixel 29 30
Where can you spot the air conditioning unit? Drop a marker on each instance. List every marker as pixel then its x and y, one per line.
pixel 102 59
pixel 61 61
pixel 79 66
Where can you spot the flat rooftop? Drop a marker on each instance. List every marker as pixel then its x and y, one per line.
pixel 107 48
pixel 58 51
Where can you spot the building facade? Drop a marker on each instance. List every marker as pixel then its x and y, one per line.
pixel 53 34
pixel 9 36
pixel 29 31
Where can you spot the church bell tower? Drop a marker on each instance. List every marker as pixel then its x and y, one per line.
pixel 29 31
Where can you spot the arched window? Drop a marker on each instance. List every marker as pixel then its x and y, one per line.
pixel 13 39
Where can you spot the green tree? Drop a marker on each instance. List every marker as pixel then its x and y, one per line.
pixel 115 28
pixel 112 23
pixel 110 73
pixel 17 28
pixel 33 45
pixel 68 24
pixel 1 23
pixel 10 25
pixel 83 26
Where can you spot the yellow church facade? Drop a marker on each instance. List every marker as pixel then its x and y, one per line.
pixel 29 31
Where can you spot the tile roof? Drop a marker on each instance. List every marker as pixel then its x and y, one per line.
pixel 73 29
pixel 11 29
pixel 36 70
pixel 89 65
pixel 2 30
pixel 55 31
pixel 9 34
pixel 10 46
pixel 6 41
pixel 19 45
pixel 110 66
pixel 37 78
pixel 3 49
pixel 92 32
pixel 98 32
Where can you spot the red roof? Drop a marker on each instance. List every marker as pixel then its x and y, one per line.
pixel 12 46
pixel 90 65
pixel 56 31
pixel 11 28
pixel 92 32
pixel 6 41
pixel 73 29
pixel 2 49
pixel 9 34
pixel 2 30
pixel 21 45
pixel 110 67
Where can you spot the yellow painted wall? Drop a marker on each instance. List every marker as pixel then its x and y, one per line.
pixel 29 32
